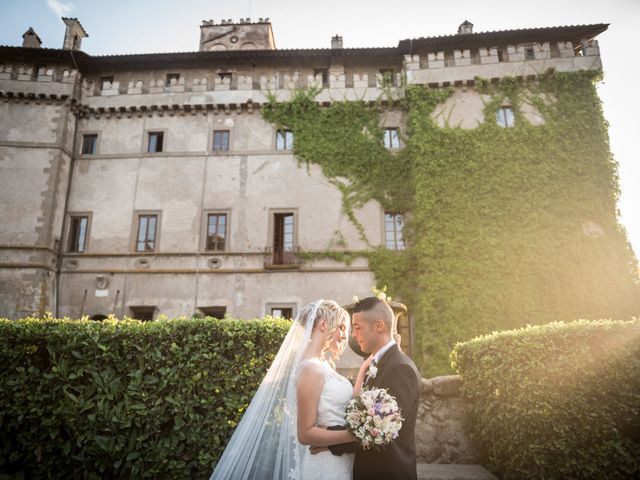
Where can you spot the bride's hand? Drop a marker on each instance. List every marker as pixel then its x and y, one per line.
pixel 315 450
pixel 366 363
pixel 361 374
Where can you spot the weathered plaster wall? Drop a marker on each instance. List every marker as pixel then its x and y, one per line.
pixel 34 165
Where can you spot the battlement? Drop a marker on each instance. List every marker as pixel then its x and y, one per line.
pixel 241 35
pixel 21 81
pixel 242 21
pixel 200 82
pixel 451 67
pixel 30 73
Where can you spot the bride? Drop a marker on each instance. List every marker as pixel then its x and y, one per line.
pixel 300 396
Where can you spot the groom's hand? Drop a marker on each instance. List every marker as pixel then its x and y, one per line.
pixel 315 450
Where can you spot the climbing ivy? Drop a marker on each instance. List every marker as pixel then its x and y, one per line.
pixel 345 139
pixel 507 226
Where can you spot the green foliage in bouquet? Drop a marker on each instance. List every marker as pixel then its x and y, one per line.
pixel 123 398
pixel 556 401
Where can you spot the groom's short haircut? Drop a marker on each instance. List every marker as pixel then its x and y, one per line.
pixel 374 308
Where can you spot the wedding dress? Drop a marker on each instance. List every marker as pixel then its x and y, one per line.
pixel 336 393
pixel 265 444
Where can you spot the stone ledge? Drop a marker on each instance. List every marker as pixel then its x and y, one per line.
pixel 447 385
pixel 434 471
pixel 443 386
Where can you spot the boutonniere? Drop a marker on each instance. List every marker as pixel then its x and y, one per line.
pixel 372 371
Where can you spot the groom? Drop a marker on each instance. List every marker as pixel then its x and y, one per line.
pixel 372 329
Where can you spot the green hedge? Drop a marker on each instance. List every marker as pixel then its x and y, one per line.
pixel 126 399
pixel 556 401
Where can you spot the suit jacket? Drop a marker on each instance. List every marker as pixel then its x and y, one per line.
pixel 399 375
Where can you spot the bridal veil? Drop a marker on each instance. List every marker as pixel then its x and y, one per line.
pixel 264 445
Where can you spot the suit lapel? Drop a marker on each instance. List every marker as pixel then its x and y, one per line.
pixel 388 355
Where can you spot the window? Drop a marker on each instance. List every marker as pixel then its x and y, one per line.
pixel 221 140
pixel 214 311
pixel 504 117
pixel 282 235
pixel 143 313
pixel 529 54
pixel 78 233
pixel 146 236
pixel 388 76
pixel 284 140
pixel 224 75
pixel 502 55
pixel 154 144
pixel 36 71
pixel 104 81
pixel 393 228
pixel 283 239
pixel 283 312
pixel 89 144
pixel 391 138
pixel 216 231
pixel 449 59
pixel 172 76
pixel 324 74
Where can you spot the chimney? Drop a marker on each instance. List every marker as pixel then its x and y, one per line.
pixel 465 27
pixel 30 39
pixel 74 34
pixel 336 41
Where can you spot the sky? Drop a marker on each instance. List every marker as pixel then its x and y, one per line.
pixel 146 26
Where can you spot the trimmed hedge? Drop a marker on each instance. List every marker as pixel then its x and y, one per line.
pixel 123 398
pixel 556 401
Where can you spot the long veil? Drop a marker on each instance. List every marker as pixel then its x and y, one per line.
pixel 264 445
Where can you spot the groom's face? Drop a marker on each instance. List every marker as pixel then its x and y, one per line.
pixel 364 333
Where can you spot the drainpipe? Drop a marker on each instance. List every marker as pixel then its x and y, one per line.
pixel 61 246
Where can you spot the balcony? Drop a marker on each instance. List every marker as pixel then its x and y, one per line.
pixel 281 258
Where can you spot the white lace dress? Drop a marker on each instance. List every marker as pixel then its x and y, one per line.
pixel 336 393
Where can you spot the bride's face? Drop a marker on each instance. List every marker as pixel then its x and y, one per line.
pixel 338 337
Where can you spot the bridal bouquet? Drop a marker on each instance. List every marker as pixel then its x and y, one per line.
pixel 374 418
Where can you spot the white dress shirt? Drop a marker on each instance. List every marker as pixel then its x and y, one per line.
pixel 383 350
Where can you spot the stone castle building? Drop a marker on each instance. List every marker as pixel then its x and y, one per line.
pixel 150 184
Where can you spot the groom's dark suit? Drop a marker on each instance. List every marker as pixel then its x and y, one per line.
pixel 399 375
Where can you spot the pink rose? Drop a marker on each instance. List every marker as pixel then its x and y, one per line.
pixel 375 432
pixel 371 412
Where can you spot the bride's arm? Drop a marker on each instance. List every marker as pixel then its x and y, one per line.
pixel 360 378
pixel 309 388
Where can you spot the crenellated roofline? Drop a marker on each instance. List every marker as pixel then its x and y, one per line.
pixel 95 63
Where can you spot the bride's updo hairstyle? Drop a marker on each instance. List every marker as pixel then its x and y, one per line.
pixel 328 309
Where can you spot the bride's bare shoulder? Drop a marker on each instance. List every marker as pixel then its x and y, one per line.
pixel 310 369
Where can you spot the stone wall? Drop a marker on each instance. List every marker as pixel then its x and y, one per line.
pixel 440 432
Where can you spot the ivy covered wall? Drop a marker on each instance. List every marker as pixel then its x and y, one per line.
pixel 506 226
